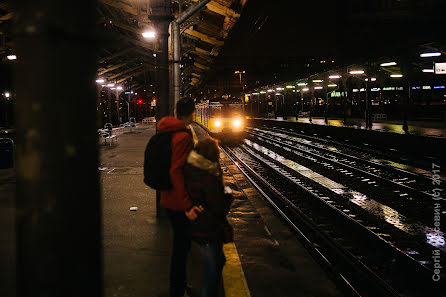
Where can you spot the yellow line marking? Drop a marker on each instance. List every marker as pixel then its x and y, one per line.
pixel 234 281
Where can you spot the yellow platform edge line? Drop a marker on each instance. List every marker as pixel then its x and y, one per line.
pixel 234 281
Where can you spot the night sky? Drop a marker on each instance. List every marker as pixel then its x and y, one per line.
pixel 280 37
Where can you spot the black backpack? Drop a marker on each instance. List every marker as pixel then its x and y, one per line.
pixel 157 161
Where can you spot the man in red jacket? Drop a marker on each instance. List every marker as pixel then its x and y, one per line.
pixel 176 200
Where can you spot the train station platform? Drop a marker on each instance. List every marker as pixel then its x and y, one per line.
pixel 419 128
pixel 266 259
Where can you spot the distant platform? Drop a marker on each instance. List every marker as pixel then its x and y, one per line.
pixel 418 128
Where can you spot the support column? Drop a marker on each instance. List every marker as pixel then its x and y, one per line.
pixel 58 206
pixel 161 16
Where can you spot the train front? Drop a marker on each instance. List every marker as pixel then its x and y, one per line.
pixel 227 121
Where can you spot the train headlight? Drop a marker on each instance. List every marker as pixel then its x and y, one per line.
pixel 237 123
pixel 217 123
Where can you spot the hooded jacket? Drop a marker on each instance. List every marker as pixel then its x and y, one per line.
pixel 205 186
pixel 182 143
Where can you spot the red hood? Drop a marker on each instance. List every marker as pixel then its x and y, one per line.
pixel 170 124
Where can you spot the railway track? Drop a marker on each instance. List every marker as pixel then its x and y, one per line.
pixel 368 255
pixel 406 191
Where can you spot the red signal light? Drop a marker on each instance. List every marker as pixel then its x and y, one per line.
pixel 139 101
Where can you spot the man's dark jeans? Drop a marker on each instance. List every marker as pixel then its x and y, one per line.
pixel 214 260
pixel 180 250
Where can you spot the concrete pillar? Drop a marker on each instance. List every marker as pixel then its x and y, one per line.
pixel 161 15
pixel 58 208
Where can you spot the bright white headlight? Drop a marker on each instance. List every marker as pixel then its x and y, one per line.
pixel 237 123
pixel 217 123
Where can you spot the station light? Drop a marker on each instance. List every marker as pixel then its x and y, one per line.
pixel 100 81
pixel 356 72
pixel 112 88
pixel 334 76
pixel 278 94
pixel 270 91
pixel 279 89
pixel 332 85
pixel 290 87
pixel 301 84
pixel 305 89
pixel 427 55
pixel 110 85
pixel 148 34
pixel 318 88
pixel 255 93
pixel 373 79
pixel 396 75
pixel 428 70
pixel 7 94
pixel 317 80
pixel 262 92
pixel 11 57
pixel 388 64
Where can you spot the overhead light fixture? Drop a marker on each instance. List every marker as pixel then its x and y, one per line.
pixel 332 85
pixel 428 70
pixel 334 76
pixel 317 80
pixel 396 75
pixel 110 85
pixel 305 89
pixel 426 55
pixel 290 87
pixel 279 89
pixel 11 57
pixel 356 72
pixel 100 81
pixel 301 84
pixel 277 94
pixel 262 92
pixel 318 88
pixel 373 79
pixel 7 94
pixel 119 88
pixel 149 34
pixel 270 91
pixel 388 64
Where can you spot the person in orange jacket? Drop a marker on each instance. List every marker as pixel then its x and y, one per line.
pixel 177 202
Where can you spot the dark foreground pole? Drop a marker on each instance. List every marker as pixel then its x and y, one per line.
pixel 58 211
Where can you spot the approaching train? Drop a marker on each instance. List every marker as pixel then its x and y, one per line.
pixel 224 120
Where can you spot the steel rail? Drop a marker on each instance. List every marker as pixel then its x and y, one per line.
pixel 399 186
pixel 346 256
pixel 292 132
